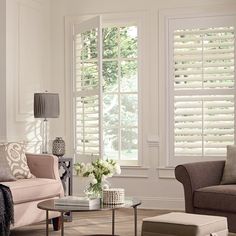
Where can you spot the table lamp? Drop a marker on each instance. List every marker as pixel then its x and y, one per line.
pixel 46 105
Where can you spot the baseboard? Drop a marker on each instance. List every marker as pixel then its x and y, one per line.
pixel 163 203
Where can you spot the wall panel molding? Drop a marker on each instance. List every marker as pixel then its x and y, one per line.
pixel 30 58
pixel 153 141
pixel 3 124
pixel 166 172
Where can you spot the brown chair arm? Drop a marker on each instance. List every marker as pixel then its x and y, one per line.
pixel 43 165
pixel 198 175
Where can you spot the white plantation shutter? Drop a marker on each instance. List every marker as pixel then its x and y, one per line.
pixel 203 109
pixel 87 88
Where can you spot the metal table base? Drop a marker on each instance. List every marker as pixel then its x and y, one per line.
pixel 113 222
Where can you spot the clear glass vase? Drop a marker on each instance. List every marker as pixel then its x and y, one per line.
pixel 95 190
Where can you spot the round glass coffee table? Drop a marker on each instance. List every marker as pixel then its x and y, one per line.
pixel 49 205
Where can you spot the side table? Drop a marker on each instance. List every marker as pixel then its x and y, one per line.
pixel 66 164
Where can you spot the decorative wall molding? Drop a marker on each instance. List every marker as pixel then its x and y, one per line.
pixel 3 70
pixel 166 172
pixel 153 141
pixel 30 58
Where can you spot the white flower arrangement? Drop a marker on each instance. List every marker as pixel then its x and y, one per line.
pixel 97 171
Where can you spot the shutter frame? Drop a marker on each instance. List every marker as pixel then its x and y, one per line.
pixel 206 96
pixel 87 93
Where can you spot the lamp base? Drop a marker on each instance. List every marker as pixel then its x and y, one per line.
pixel 45 136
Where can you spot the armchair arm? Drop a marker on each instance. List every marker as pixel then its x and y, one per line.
pixel 198 175
pixel 43 165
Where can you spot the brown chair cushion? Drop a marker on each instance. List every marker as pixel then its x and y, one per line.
pixel 220 197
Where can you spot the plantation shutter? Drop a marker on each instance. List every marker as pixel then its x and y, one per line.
pixel 204 92
pixel 87 88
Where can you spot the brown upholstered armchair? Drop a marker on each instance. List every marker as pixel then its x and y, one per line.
pixel 203 192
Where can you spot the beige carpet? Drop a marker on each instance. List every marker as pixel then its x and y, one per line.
pixel 94 223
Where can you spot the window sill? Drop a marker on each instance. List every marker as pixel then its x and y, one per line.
pixel 133 172
pixel 134 167
pixel 131 176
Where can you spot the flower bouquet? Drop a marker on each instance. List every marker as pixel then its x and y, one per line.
pixel 97 171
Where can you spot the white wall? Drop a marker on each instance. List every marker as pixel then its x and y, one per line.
pixel 28 66
pixel 2 69
pixel 152 183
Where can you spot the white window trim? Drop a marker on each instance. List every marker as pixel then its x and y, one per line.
pixel 201 23
pixel 139 19
pixel 165 16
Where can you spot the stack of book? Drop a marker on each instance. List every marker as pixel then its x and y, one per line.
pixel 77 201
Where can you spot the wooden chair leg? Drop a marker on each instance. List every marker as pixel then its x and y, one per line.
pixel 56 223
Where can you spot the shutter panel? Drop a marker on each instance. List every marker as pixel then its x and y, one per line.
pixel 203 91
pixel 87 88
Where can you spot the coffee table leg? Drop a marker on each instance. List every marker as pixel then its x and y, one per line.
pixel 113 221
pixel 62 223
pixel 135 221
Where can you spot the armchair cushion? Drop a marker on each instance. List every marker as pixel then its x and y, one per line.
pixel 28 190
pixel 218 197
pixel 43 165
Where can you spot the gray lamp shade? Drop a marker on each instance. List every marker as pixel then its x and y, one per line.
pixel 46 105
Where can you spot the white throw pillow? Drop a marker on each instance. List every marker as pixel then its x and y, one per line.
pixel 15 155
pixel 229 174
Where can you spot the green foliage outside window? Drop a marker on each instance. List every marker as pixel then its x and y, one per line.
pixel 120 92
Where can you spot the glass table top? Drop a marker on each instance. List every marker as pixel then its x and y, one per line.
pixel 51 206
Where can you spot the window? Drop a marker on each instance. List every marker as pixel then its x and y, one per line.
pixel 120 97
pixel 106 91
pixel 202 116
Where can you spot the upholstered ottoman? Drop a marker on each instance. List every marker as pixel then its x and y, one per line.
pixel 183 224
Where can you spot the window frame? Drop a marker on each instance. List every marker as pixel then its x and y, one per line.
pixel 175 23
pixel 112 20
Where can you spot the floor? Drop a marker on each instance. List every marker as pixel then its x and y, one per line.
pixel 94 223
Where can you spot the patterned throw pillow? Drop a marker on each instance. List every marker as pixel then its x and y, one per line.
pixel 5 172
pixel 15 155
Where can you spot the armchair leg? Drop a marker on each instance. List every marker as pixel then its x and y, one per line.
pixel 56 223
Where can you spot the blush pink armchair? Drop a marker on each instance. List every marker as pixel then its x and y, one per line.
pixel 27 193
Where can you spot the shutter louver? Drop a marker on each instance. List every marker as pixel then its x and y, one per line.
pixel 87 90
pixel 203 91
